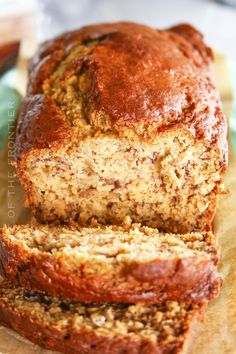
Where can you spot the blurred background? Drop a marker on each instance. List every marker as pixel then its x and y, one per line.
pixel 215 19
pixel 43 19
pixel 25 23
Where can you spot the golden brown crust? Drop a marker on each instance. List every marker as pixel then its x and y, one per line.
pixel 62 341
pixel 40 125
pixel 195 38
pixel 186 279
pixel 68 340
pixel 155 80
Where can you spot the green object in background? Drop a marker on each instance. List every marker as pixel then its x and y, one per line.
pixel 9 105
pixel 232 132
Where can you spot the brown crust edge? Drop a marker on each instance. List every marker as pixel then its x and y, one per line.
pixel 35 132
pixel 190 280
pixel 68 341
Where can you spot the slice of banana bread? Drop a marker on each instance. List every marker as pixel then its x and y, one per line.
pixel 121 119
pixel 124 264
pixel 74 327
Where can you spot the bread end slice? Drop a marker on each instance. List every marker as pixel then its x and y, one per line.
pixel 92 328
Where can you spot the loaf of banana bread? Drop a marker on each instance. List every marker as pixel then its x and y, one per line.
pixel 122 119
pixel 122 264
pixel 74 327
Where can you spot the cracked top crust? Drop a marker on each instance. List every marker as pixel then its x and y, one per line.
pixel 123 78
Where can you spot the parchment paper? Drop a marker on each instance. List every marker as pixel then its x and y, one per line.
pixel 217 335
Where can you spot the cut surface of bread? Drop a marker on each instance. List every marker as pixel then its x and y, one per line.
pixel 125 264
pixel 121 119
pixel 75 327
pixel 171 185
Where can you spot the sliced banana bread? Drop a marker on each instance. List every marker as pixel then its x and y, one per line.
pixel 122 119
pixel 79 328
pixel 124 264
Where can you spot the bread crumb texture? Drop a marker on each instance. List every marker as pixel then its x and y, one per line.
pixel 123 120
pixel 110 244
pixel 157 323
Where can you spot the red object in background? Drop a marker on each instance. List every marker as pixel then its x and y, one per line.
pixel 8 56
